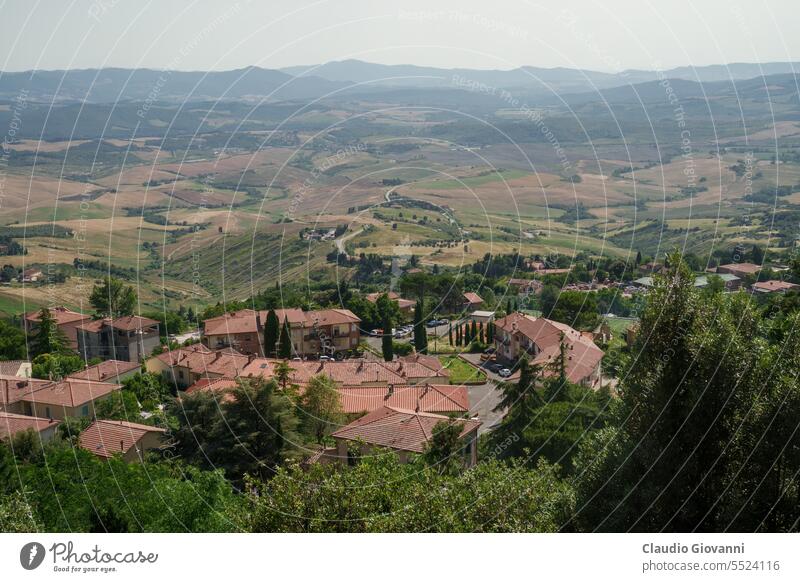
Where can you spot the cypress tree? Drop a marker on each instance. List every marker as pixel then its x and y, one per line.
pixel 387 347
pixel 420 335
pixel 271 333
pixel 481 336
pixel 473 332
pixel 285 343
pixel 450 334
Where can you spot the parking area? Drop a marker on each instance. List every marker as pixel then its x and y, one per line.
pixel 475 360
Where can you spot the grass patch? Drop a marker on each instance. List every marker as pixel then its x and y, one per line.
pixel 461 371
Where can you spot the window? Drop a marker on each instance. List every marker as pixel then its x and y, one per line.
pixel 85 410
pixel 47 412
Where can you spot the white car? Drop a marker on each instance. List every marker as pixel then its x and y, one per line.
pixel 504 372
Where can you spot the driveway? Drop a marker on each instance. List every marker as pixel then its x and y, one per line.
pixel 475 360
pixel 482 399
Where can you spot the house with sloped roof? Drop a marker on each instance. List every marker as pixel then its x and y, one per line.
pixel 444 399
pixel 112 371
pixel 540 339
pixel 12 424
pixel 406 432
pixel 66 320
pixel 472 301
pixel 773 286
pixel 129 440
pixel 318 332
pixel 741 270
pixel 355 372
pixel 187 365
pixel 130 338
pixel 68 398
pixel 31 275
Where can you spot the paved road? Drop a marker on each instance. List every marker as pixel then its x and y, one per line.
pixel 482 399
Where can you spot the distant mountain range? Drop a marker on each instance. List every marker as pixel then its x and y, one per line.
pixel 355 71
pixel 349 78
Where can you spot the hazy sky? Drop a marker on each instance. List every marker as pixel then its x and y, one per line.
pixel 217 35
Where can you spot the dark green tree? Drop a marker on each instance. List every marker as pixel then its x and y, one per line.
pixel 320 407
pixel 271 334
pixel 55 366
pixel 112 298
pixel 12 342
pixel 285 342
pixel 520 402
pixel 48 337
pixel 443 451
pixel 387 345
pixel 420 333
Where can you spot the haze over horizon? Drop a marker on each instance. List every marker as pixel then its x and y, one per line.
pixel 578 34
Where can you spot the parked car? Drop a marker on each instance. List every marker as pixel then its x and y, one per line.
pixel 504 373
pixel 436 322
pixel 376 332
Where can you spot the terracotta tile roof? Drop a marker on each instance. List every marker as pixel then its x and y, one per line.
pixel 11 367
pixel 127 323
pixel 200 359
pixel 215 385
pixel 265 368
pixel 295 317
pixel 11 424
pixel 242 321
pixel 747 268
pixel 69 392
pixel 249 321
pixel 92 326
pixel 331 317
pixel 443 399
pixel 105 438
pixel 60 314
pixel 350 372
pixel 104 370
pixel 132 322
pixel 13 388
pixel 398 429
pixel 582 353
pixel 772 286
pixel 431 362
pixel 401 303
pixel 472 297
pixel 31 272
